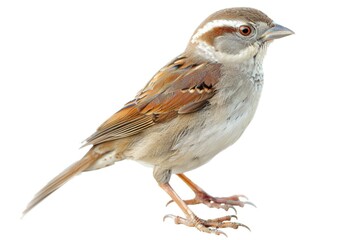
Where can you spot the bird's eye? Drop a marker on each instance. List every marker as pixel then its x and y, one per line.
pixel 245 30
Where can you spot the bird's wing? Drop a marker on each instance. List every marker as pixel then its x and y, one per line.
pixel 181 87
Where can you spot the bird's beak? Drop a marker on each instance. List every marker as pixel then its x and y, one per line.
pixel 277 31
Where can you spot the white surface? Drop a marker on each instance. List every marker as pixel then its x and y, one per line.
pixel 66 66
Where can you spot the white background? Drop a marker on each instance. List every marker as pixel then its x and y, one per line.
pixel 65 66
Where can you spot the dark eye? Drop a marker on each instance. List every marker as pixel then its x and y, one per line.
pixel 245 30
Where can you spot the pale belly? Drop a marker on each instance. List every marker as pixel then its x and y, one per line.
pixel 201 146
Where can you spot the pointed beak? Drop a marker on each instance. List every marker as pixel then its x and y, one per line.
pixel 277 31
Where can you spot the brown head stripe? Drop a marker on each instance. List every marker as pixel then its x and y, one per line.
pixel 209 36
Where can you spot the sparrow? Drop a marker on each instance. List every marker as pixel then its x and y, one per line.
pixel 193 108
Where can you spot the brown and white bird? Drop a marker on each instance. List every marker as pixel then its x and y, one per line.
pixel 193 108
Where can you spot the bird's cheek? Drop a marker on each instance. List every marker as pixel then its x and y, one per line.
pixel 229 45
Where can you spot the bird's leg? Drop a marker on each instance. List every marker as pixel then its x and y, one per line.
pixel 191 220
pixel 213 202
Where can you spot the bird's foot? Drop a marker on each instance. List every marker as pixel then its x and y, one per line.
pixel 210 225
pixel 225 203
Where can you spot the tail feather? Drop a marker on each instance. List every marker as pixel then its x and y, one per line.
pixel 75 169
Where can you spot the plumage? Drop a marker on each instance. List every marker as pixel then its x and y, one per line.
pixel 163 97
pixel 191 109
pixel 62 178
pixel 248 14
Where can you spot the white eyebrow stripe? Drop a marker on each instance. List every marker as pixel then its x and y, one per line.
pixel 214 24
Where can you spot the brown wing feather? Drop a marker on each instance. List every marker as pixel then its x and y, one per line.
pixel 126 122
pixel 183 86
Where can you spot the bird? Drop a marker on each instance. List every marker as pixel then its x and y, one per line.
pixel 194 107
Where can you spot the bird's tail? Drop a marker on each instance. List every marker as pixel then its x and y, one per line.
pixel 85 163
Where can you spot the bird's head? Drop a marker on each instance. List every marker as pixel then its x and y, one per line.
pixel 235 34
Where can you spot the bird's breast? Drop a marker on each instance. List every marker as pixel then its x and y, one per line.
pixel 219 126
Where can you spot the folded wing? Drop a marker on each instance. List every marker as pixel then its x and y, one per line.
pixel 183 86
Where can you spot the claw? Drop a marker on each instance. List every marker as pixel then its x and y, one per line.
pixel 171 201
pixel 169 216
pixel 218 232
pixel 233 216
pixel 250 203
pixel 243 225
pixel 242 196
pixel 233 208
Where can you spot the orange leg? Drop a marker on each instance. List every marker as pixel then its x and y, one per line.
pixel 213 202
pixel 191 220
